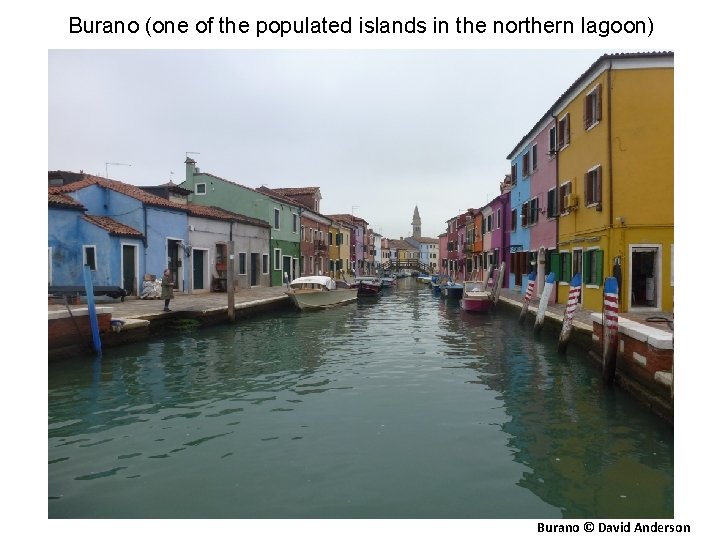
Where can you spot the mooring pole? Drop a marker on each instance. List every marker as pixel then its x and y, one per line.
pixel 497 286
pixel 231 280
pixel 528 295
pixel 544 298
pixel 487 277
pixel 92 315
pixel 573 297
pixel 610 329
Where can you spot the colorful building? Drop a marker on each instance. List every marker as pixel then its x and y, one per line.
pixel 615 159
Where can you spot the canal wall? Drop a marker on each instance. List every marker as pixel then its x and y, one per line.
pixel 645 353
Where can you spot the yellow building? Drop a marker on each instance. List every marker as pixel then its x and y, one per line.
pixel 613 139
pixel 339 250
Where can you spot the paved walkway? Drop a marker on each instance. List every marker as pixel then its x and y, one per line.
pixel 133 308
pixel 152 309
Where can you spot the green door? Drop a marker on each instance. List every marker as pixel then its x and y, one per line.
pixel 198 269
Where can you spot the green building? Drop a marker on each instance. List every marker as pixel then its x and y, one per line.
pixel 281 213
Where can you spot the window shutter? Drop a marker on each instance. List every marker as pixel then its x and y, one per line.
pixel 555 264
pixel 599 102
pixel 587 114
pixel 586 265
pixel 567 127
pixel 599 184
pixel 588 188
pixel 599 260
pixel 567 268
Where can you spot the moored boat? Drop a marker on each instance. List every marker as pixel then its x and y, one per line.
pixel 318 292
pixel 475 297
pixel 388 281
pixel 368 286
pixel 451 289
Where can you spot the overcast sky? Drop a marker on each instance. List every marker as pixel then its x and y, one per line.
pixel 379 131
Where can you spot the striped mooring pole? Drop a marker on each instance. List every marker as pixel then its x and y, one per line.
pixel 528 295
pixel 610 329
pixel 573 297
pixel 544 299
pixel 92 313
pixel 487 277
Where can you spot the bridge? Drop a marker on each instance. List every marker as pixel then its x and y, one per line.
pixel 407 264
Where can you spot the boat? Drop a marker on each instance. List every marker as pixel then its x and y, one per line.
pixel 388 282
pixel 318 292
pixel 423 278
pixel 476 297
pixel 451 289
pixel 368 286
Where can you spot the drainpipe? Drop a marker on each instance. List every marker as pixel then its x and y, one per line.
pixel 557 201
pixel 611 214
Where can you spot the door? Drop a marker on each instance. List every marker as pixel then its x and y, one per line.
pixel 174 261
pixel 198 269
pixel 129 263
pixel 287 268
pixel 254 268
pixel 644 277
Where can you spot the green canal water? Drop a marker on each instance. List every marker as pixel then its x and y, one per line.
pixel 403 407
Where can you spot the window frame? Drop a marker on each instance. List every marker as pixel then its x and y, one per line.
pixel 276 219
pixel 265 263
pixel 565 189
pixel 593 107
pixel 552 203
pixel 593 186
pixel 563 131
pixel 552 141
pixel 242 263
pixel 277 259
pixel 197 188
pixel 85 249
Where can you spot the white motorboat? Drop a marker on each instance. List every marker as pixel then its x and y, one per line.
pixel 318 292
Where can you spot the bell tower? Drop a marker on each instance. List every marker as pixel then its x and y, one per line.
pixel 416 224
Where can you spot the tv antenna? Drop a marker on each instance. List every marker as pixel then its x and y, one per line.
pixel 113 163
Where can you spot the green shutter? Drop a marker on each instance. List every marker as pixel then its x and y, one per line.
pixel 567 268
pixel 599 264
pixel 587 274
pixel 555 264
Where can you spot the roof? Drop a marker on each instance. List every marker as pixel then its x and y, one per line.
pixel 289 192
pixel 581 80
pixel 86 180
pixel 60 200
pixel 280 197
pixel 213 212
pixel 115 228
pixel 349 218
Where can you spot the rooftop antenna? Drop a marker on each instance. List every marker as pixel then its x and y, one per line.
pixel 186 153
pixel 113 163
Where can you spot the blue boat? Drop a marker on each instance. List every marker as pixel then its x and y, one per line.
pixel 452 290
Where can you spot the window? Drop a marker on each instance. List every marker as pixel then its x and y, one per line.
pixel 524 211
pixel 276 219
pixel 533 157
pixel 330 239
pixel 277 259
pixel 488 226
pixel 513 174
pixel 552 141
pixel 339 239
pixel 295 223
pixel 564 131
pixel 533 217
pixel 265 263
pixel 526 164
pixel 593 107
pixel 89 257
pixel 200 189
pixel 565 191
pixel 593 267
pixel 242 261
pixel 593 186
pixel 302 233
pixel 552 203
pixel 513 220
pixel 497 223
pixel 561 265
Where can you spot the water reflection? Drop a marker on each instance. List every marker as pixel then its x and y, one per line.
pixel 402 407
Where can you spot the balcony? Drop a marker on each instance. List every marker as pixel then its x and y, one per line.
pixel 468 247
pixel 320 246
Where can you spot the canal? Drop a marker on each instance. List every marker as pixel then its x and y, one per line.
pixel 401 407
